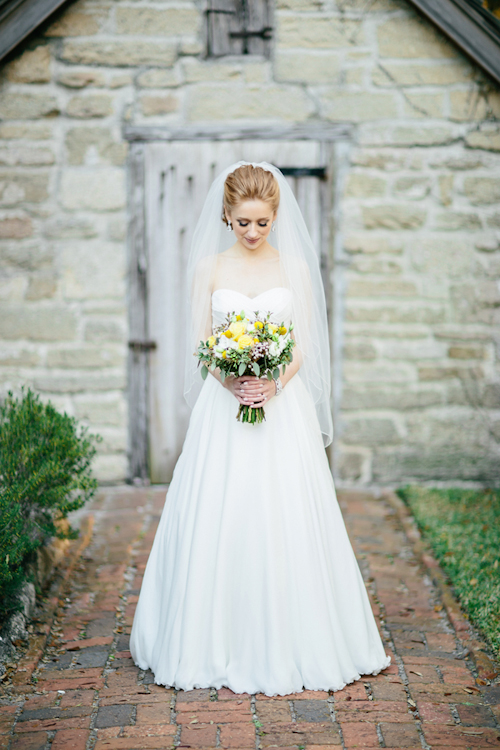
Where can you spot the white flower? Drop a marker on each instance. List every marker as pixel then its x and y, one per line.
pixel 274 349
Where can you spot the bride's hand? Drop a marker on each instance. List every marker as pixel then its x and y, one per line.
pixel 251 391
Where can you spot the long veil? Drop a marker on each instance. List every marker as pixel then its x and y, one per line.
pixel 301 274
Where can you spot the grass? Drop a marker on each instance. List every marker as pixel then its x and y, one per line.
pixel 463 529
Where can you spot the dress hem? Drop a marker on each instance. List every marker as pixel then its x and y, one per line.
pixel 217 685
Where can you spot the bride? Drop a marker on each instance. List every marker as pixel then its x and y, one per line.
pixel 252 582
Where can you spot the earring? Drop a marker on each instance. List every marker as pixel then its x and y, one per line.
pixel 273 227
pixel 229 226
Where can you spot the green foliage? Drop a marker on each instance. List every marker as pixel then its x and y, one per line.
pixel 463 529
pixel 44 475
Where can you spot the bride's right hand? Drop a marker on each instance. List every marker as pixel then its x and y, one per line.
pixel 233 385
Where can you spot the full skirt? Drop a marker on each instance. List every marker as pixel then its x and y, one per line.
pixel 252 582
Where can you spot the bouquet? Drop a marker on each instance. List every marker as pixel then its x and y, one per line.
pixel 245 345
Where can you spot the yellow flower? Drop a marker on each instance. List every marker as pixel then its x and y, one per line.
pixel 237 329
pixel 244 341
pixel 258 325
pixel 282 331
pixel 211 341
pixel 224 355
pixel 256 341
pixel 228 334
pixel 238 317
pixel 273 328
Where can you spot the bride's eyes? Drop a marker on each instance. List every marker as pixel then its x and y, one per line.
pixel 260 225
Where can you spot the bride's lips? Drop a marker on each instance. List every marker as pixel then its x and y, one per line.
pixel 252 242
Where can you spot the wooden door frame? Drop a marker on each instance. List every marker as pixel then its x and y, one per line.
pixel 335 139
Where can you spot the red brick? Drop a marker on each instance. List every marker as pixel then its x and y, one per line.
pixel 400 735
pixel 435 713
pixel 49 725
pixel 460 737
pixel 123 681
pixel 427 674
pixel 224 694
pixel 476 716
pixel 130 743
pixel 388 691
pixel 441 642
pixel 218 717
pixel 355 692
pixel 76 739
pixel 200 735
pixel 153 730
pixel 68 674
pixel 84 683
pixel 360 734
pixel 201 694
pixel 236 735
pixel 442 694
pixel 373 711
pixel 299 733
pixel 87 642
pixel 157 714
pixel 213 706
pixel 273 710
pixel 458 676
pixel 76 698
pixel 34 741
pixel 140 697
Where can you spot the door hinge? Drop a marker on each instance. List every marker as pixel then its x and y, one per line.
pixel 142 346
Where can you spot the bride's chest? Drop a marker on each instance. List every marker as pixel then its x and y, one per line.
pixel 276 300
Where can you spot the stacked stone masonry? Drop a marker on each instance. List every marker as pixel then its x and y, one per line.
pixel 420 213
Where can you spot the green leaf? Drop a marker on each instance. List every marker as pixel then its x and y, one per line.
pixel 269 375
pixel 242 368
pixel 283 369
pixel 204 372
pixel 242 313
pixel 256 369
pixel 213 366
pixel 276 373
pixel 222 376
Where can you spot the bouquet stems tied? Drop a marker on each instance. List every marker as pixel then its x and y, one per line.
pixel 251 414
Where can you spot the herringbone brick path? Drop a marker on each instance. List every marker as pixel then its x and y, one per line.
pixel 86 694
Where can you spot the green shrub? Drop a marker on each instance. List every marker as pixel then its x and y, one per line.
pixel 463 529
pixel 44 475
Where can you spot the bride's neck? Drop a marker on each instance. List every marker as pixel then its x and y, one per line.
pixel 264 252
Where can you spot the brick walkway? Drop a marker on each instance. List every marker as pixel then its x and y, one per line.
pixel 86 694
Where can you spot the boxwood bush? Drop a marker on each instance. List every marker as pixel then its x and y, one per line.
pixel 463 529
pixel 45 473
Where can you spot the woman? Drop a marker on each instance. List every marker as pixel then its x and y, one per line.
pixel 252 582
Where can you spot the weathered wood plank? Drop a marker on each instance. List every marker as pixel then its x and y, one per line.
pixel 19 19
pixel 138 375
pixel 466 26
pixel 321 131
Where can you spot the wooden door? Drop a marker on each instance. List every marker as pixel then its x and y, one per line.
pixel 177 178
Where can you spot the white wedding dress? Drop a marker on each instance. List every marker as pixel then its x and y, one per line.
pixel 252 582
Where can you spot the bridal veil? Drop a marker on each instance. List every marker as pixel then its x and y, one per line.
pixel 300 273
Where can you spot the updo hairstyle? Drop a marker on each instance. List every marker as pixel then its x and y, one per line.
pixel 250 183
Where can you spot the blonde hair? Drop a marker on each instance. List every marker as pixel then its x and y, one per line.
pixel 250 183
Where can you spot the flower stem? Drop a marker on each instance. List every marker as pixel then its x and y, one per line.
pixel 250 414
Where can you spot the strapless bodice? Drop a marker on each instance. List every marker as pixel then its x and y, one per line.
pixel 277 301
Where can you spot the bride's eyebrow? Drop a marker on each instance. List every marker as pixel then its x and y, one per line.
pixel 240 218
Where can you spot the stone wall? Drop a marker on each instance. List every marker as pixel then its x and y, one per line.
pixel 421 222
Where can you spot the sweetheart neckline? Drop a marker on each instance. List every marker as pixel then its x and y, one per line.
pixel 273 289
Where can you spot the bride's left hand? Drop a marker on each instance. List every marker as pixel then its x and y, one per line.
pixel 254 391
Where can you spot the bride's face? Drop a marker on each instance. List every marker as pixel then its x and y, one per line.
pixel 252 222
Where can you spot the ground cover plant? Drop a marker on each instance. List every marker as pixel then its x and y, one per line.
pixel 463 529
pixel 45 473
